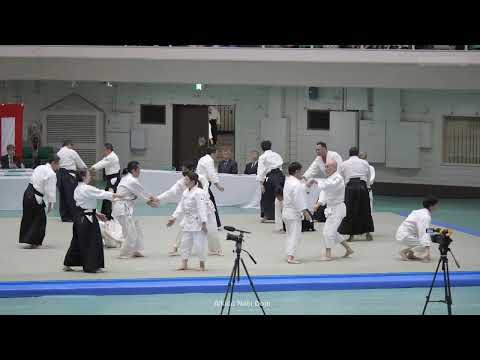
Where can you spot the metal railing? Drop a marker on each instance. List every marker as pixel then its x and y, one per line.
pixel 368 47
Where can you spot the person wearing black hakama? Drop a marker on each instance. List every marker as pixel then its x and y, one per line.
pixel 358 219
pixel 40 190
pixel 86 247
pixel 206 168
pixel 70 162
pixel 111 164
pixel 272 180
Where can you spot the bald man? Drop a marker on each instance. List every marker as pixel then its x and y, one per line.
pixel 334 190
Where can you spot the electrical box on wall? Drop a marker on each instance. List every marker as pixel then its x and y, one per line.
pixel 138 139
pixel 426 130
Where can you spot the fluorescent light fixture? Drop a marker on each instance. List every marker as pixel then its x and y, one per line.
pixel 199 87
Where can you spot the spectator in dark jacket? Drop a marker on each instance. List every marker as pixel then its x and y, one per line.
pixel 227 165
pixel 252 166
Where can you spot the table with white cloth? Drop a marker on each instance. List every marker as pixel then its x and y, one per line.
pixel 12 186
pixel 240 190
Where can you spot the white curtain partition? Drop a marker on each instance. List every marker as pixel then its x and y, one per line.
pixel 8 133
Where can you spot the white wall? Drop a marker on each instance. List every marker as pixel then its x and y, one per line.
pixel 250 102
pixel 254 103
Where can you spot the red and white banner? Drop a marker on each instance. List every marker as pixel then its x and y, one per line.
pixel 11 128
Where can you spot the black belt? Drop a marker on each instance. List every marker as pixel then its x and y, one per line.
pixel 113 176
pixel 273 171
pixel 353 180
pixel 35 191
pixel 93 212
pixel 69 171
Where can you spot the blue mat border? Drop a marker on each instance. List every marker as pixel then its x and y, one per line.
pixel 218 284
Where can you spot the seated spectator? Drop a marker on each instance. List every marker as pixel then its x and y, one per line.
pixel 10 161
pixel 252 166
pixel 227 165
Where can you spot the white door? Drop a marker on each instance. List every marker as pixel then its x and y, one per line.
pixel 343 131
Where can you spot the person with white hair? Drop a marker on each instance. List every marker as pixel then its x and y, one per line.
pixel 334 189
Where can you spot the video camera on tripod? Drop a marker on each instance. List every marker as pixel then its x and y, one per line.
pixel 440 236
pixel 236 238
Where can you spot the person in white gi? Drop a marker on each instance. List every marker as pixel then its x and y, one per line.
pixel 412 233
pixel 111 164
pixel 70 162
pixel 193 208
pixel 334 189
pixel 41 190
pixel 206 168
pixel 363 156
pixel 271 179
pixel 129 190
pixel 294 208
pixel 317 167
pixel 178 189
pixel 86 247
pixel 356 173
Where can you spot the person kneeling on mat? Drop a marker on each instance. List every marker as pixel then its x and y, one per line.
pixel 412 233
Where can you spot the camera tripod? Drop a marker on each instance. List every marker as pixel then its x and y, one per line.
pixel 235 275
pixel 444 250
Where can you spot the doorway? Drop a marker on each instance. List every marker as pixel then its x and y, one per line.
pixel 189 123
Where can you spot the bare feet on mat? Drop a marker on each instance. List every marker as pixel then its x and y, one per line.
pixel 350 239
pixel 369 237
pixel 348 253
pixel 326 258
pixel 124 257
pixel 426 259
pixel 138 254
pixel 182 268
pixel 174 252
pixel 291 260
pixel 100 271
pixel 67 268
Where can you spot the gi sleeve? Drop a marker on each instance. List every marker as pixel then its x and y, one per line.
pixel 175 190
pixel 313 170
pixel 99 194
pixel 79 162
pixel 261 169
pixel 422 225
pixel 51 188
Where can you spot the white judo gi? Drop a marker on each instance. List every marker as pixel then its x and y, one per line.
pixel 294 202
pixel 193 210
pixel 413 230
pixel 317 169
pixel 334 193
pixel 213 234
pixel 370 183
pixel 122 210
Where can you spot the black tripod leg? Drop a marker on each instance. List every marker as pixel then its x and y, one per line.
pixel 236 268
pixel 253 287
pixel 431 286
pixel 446 280
pixel 232 275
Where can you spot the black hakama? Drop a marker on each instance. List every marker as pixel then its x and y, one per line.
pixel 274 182
pixel 107 204
pixel 217 217
pixel 359 215
pixel 66 184
pixel 86 248
pixel 34 219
